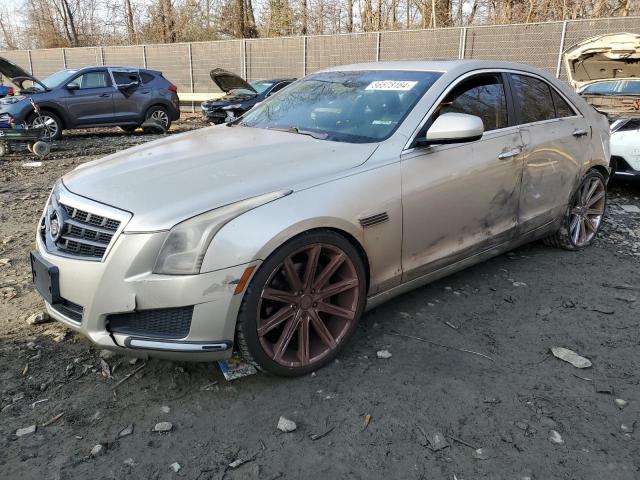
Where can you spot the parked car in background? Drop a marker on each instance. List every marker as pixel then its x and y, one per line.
pixel 91 97
pixel 240 96
pixel 605 71
pixel 351 186
pixel 5 90
pixel 625 147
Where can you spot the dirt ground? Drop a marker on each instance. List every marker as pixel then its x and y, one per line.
pixel 373 417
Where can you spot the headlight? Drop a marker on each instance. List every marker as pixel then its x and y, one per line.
pixel 232 107
pixel 12 100
pixel 185 246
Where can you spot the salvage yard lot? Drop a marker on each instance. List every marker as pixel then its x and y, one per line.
pixel 374 416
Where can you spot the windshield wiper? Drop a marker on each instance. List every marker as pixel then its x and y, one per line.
pixel 316 135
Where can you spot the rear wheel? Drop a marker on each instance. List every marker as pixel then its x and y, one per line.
pixel 584 215
pixel 159 114
pixel 303 304
pixel 48 121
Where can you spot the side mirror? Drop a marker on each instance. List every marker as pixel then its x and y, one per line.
pixel 454 128
pixel 73 86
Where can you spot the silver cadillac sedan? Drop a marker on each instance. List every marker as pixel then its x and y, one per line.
pixel 272 234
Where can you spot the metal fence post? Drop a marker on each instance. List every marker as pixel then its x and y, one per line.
pixel 64 58
pixel 463 42
pixel 562 39
pixel 304 56
pixel 30 62
pixel 243 53
pixel 144 56
pixel 101 50
pixel 193 105
pixel 378 39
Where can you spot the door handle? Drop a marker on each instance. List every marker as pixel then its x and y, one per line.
pixel 105 95
pixel 580 133
pixel 510 153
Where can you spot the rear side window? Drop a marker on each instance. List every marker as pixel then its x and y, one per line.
pixel 533 99
pixel 125 78
pixel 482 96
pixel 562 107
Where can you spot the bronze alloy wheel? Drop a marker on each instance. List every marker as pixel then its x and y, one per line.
pixel 306 300
pixel 587 211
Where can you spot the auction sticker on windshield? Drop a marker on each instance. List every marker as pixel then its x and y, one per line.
pixel 397 85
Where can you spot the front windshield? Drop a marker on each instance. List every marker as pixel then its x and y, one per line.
pixel 260 86
pixel 355 107
pixel 58 78
pixel 614 87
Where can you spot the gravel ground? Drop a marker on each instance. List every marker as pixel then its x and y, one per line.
pixel 487 381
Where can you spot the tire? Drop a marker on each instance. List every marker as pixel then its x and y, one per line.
pixel 53 122
pixel 3 150
pixel 41 149
pixel 159 113
pixel 326 321
pixel 129 128
pixel 580 227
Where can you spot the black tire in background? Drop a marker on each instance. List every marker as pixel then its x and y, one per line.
pixel 159 113
pixel 54 131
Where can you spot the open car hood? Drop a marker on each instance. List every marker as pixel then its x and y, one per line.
pixel 17 74
pixel 227 81
pixel 605 57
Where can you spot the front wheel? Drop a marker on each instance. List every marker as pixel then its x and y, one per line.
pixel 49 122
pixel 303 304
pixel 584 215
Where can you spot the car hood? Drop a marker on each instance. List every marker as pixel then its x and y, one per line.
pixel 605 57
pixel 11 70
pixel 164 182
pixel 227 81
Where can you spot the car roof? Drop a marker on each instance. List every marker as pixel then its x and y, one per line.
pixel 443 66
pixel 113 67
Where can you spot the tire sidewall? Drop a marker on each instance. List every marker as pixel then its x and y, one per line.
pixel 247 318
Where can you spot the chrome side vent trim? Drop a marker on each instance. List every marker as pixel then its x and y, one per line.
pixel 372 220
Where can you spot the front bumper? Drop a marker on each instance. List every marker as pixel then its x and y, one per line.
pixel 123 283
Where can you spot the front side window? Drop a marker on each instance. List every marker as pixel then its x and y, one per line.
pixel 354 107
pixel 533 99
pixel 91 80
pixel 481 95
pixel 58 78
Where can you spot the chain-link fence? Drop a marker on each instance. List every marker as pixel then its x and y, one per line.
pixel 188 64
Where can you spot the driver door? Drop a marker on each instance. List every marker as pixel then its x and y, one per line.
pixel 461 199
pixel 89 99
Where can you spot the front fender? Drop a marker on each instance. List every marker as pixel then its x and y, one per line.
pixel 338 205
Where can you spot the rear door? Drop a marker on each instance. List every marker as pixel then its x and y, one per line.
pixel 462 199
pixel 132 95
pixel 556 140
pixel 91 102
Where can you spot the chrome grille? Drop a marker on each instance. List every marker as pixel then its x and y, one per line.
pixel 86 234
pixel 76 227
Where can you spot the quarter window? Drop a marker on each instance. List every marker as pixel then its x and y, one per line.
pixel 482 96
pixel 562 108
pixel 533 99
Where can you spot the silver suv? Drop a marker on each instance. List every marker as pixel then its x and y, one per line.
pixel 355 184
